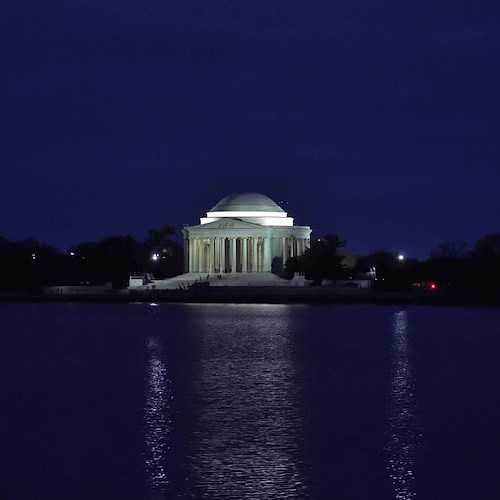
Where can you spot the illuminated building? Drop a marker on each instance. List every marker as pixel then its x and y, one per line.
pixel 243 233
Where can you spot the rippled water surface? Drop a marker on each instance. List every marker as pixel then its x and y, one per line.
pixel 139 401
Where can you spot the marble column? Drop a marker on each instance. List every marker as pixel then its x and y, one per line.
pixel 190 254
pixel 198 255
pixel 254 255
pixel 223 255
pixel 267 255
pixel 201 255
pixel 217 255
pixel 212 255
pixel 233 255
pixel 195 255
pixel 244 256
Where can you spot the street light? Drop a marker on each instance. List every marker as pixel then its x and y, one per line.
pixel 401 257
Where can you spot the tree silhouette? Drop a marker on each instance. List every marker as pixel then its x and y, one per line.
pixel 320 261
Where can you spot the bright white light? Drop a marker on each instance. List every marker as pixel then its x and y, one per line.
pixel 246 213
pixel 72 254
pixel 155 256
pixel 401 257
pixel 262 221
pixel 33 256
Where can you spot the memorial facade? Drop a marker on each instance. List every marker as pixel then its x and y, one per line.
pixel 243 233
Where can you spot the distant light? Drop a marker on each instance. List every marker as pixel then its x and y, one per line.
pixel 433 286
pixel 155 256
pixel 33 256
pixel 401 257
pixel 72 254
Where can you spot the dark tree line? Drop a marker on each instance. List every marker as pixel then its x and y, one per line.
pixel 462 271
pixel 454 268
pixel 29 263
pixel 457 270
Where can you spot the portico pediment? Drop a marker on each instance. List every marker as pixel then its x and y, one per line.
pixel 227 223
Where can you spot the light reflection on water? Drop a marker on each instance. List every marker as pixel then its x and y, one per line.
pixel 157 419
pixel 248 426
pixel 405 436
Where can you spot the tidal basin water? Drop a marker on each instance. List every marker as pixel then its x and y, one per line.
pixel 140 401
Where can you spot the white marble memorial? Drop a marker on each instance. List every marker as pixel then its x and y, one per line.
pixel 243 233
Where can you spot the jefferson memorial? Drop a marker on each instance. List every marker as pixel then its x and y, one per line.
pixel 245 240
pixel 243 233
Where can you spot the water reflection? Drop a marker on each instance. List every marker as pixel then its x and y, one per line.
pixel 157 419
pixel 404 427
pixel 248 430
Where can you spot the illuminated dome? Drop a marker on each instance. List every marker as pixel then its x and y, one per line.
pixel 255 208
pixel 246 202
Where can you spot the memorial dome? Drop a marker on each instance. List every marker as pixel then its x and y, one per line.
pixel 247 202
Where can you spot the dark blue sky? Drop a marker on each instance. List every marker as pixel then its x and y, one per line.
pixel 375 120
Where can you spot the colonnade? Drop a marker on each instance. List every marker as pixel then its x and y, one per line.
pixel 240 254
pixel 229 255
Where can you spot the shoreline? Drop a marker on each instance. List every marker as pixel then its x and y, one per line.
pixel 257 295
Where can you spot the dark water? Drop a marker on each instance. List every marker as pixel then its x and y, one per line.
pixel 249 402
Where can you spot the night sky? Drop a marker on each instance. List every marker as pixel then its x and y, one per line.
pixel 374 120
